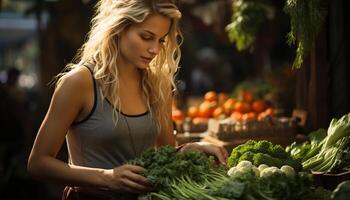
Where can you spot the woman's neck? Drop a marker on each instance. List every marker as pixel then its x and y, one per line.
pixel 128 74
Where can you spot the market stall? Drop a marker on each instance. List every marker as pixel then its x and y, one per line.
pixel 316 169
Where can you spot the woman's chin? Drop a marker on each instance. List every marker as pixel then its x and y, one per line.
pixel 143 66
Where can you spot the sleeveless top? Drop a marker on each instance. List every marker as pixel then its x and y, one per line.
pixel 97 141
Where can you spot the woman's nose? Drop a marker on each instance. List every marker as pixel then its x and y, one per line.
pixel 154 49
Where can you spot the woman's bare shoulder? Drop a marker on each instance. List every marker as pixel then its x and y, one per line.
pixel 78 78
pixel 76 85
pixel 73 89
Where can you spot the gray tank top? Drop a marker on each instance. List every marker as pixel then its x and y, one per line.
pixel 98 142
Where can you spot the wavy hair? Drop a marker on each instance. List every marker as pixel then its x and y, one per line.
pixel 101 48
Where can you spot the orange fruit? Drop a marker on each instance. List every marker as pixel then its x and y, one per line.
pixel 229 105
pixel 269 112
pixel 236 116
pixel 177 115
pixel 211 96
pixel 192 111
pixel 198 120
pixel 249 116
pixel 261 116
pixel 206 109
pixel 259 106
pixel 218 112
pixel 242 107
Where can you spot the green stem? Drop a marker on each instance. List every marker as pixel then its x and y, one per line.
pixel 312 162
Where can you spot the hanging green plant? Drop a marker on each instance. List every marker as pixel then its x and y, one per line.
pixel 247 18
pixel 306 19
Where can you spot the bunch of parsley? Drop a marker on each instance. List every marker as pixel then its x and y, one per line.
pixel 164 166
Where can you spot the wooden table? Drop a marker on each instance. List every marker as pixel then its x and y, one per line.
pixel 182 138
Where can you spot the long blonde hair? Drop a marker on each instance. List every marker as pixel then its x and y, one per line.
pixel 101 48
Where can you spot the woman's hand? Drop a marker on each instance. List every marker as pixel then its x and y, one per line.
pixel 220 152
pixel 127 178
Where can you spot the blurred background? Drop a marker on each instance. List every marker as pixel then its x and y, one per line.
pixel 233 49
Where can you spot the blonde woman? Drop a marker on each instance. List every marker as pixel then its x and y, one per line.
pixel 115 102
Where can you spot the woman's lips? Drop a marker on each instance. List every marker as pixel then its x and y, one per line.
pixel 146 59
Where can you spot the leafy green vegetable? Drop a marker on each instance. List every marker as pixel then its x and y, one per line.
pixel 231 189
pixel 246 21
pixel 317 136
pixel 263 158
pixel 288 170
pixel 337 129
pixel 262 152
pixel 164 168
pixel 307 149
pixel 333 152
pixel 332 158
pixel 298 151
pixel 272 184
pixel 246 184
pixel 306 19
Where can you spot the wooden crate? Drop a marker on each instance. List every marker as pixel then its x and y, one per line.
pixel 188 137
pixel 189 127
pixel 331 180
pixel 227 134
pixel 271 127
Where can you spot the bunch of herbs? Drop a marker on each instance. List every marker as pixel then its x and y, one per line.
pixel 306 19
pixel 164 166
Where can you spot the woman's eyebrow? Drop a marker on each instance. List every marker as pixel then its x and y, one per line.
pixel 153 34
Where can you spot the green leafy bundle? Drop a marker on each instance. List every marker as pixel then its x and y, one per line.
pixel 306 18
pixel 272 183
pixel 246 21
pixel 331 159
pixel 248 185
pixel 164 167
pixel 333 152
pixel 280 186
pixel 262 152
pixel 308 149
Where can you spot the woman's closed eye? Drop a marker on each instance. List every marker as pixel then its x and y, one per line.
pixel 149 38
pixel 146 37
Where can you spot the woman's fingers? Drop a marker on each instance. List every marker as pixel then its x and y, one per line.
pixel 129 178
pixel 136 169
pixel 138 179
pixel 222 157
pixel 134 187
pixel 135 174
pixel 219 152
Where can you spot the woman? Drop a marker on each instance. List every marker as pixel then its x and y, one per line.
pixel 115 102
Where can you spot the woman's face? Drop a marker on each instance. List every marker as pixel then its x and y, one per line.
pixel 140 43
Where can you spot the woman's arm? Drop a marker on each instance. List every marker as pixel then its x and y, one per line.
pixel 67 103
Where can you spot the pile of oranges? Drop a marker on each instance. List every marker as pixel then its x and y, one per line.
pixel 220 106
